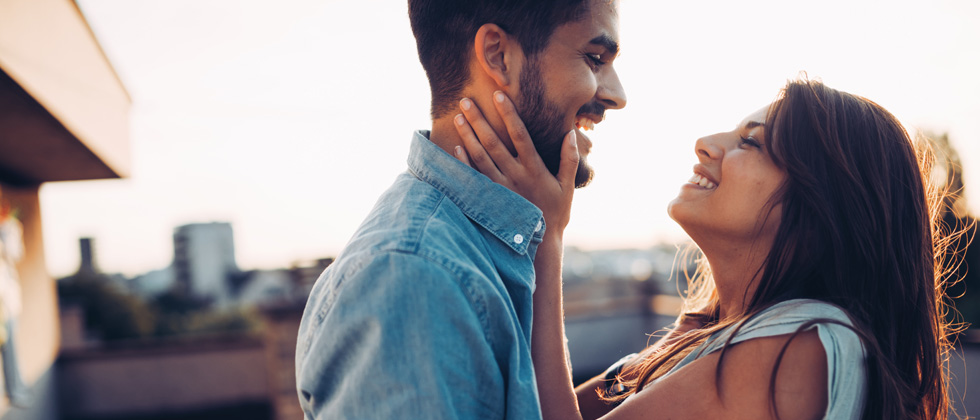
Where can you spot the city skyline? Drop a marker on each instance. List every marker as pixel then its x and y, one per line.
pixel 289 122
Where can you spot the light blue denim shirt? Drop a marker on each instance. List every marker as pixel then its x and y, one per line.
pixel 427 311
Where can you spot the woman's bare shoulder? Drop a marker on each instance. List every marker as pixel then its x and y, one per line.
pixel 742 389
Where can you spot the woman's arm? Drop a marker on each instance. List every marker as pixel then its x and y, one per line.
pixel 558 399
pixel 591 405
pixel 527 175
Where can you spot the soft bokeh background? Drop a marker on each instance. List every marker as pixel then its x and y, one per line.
pixel 282 122
pixel 289 119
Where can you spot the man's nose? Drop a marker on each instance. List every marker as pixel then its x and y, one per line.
pixel 611 93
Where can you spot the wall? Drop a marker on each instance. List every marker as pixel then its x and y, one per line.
pixel 281 331
pixel 964 367
pixel 47 47
pixel 162 378
pixel 63 116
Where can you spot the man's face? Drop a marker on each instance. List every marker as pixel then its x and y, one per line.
pixel 571 83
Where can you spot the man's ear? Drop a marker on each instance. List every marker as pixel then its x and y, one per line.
pixel 498 54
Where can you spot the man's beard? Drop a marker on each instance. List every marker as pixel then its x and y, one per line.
pixel 545 123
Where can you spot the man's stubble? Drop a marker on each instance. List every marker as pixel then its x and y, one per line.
pixel 545 123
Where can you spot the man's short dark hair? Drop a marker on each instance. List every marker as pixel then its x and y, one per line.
pixel 444 31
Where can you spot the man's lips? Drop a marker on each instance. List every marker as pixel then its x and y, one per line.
pixel 587 122
pixel 589 115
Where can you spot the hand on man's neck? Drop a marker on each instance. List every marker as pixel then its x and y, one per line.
pixel 444 132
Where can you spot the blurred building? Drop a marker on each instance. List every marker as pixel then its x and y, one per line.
pixel 204 260
pixel 63 116
pixel 218 374
pixel 152 283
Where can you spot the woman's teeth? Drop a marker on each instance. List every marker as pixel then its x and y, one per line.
pixel 702 181
pixel 584 123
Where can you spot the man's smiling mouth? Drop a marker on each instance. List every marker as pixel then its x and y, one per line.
pixel 584 122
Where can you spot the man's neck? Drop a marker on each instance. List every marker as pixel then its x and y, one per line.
pixel 444 134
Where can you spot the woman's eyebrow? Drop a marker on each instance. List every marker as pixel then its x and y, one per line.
pixel 753 124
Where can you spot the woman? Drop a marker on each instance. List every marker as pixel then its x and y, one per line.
pixel 819 294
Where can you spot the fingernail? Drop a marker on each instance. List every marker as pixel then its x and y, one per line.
pixel 498 96
pixel 465 103
pixel 458 150
pixel 459 120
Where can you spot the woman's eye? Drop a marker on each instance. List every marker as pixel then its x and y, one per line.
pixel 751 142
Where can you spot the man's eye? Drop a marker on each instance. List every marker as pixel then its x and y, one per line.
pixel 595 59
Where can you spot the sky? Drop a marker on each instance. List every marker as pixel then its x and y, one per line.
pixel 288 121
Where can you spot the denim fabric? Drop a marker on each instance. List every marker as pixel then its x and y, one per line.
pixel 427 311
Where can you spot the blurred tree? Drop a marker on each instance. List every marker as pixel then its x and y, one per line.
pixel 110 312
pixel 240 320
pixel 114 314
pixel 964 286
pixel 174 310
pixel 179 313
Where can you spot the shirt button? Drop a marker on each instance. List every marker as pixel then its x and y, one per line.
pixel 518 239
pixel 538 227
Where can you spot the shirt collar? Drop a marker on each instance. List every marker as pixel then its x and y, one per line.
pixel 502 212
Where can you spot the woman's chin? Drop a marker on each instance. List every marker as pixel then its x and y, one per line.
pixel 671 208
pixel 691 227
pixel 678 210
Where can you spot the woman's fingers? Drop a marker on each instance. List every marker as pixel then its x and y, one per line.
pixel 488 138
pixel 518 132
pixel 569 162
pixel 525 174
pixel 478 157
pixel 462 156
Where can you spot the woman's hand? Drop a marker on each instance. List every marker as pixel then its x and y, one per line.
pixel 527 175
pixel 524 174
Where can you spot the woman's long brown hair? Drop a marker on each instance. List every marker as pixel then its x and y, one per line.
pixel 860 229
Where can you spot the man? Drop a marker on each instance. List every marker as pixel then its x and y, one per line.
pixel 427 312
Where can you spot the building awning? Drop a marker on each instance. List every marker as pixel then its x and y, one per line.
pixel 64 113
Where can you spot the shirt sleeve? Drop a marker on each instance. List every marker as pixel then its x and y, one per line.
pixel 402 338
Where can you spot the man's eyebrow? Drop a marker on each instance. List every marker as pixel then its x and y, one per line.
pixel 606 42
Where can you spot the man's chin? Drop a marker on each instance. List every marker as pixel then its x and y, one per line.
pixel 583 176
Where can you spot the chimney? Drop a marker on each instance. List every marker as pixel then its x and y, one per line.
pixel 88 260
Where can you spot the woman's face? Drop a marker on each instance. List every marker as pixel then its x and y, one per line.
pixel 728 197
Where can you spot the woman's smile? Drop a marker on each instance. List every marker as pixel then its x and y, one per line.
pixel 738 211
pixel 702 178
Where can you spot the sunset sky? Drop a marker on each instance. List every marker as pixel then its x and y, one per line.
pixel 289 120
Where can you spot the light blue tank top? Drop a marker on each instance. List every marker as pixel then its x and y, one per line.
pixel 846 373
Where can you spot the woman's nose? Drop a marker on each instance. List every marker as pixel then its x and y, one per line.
pixel 707 148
